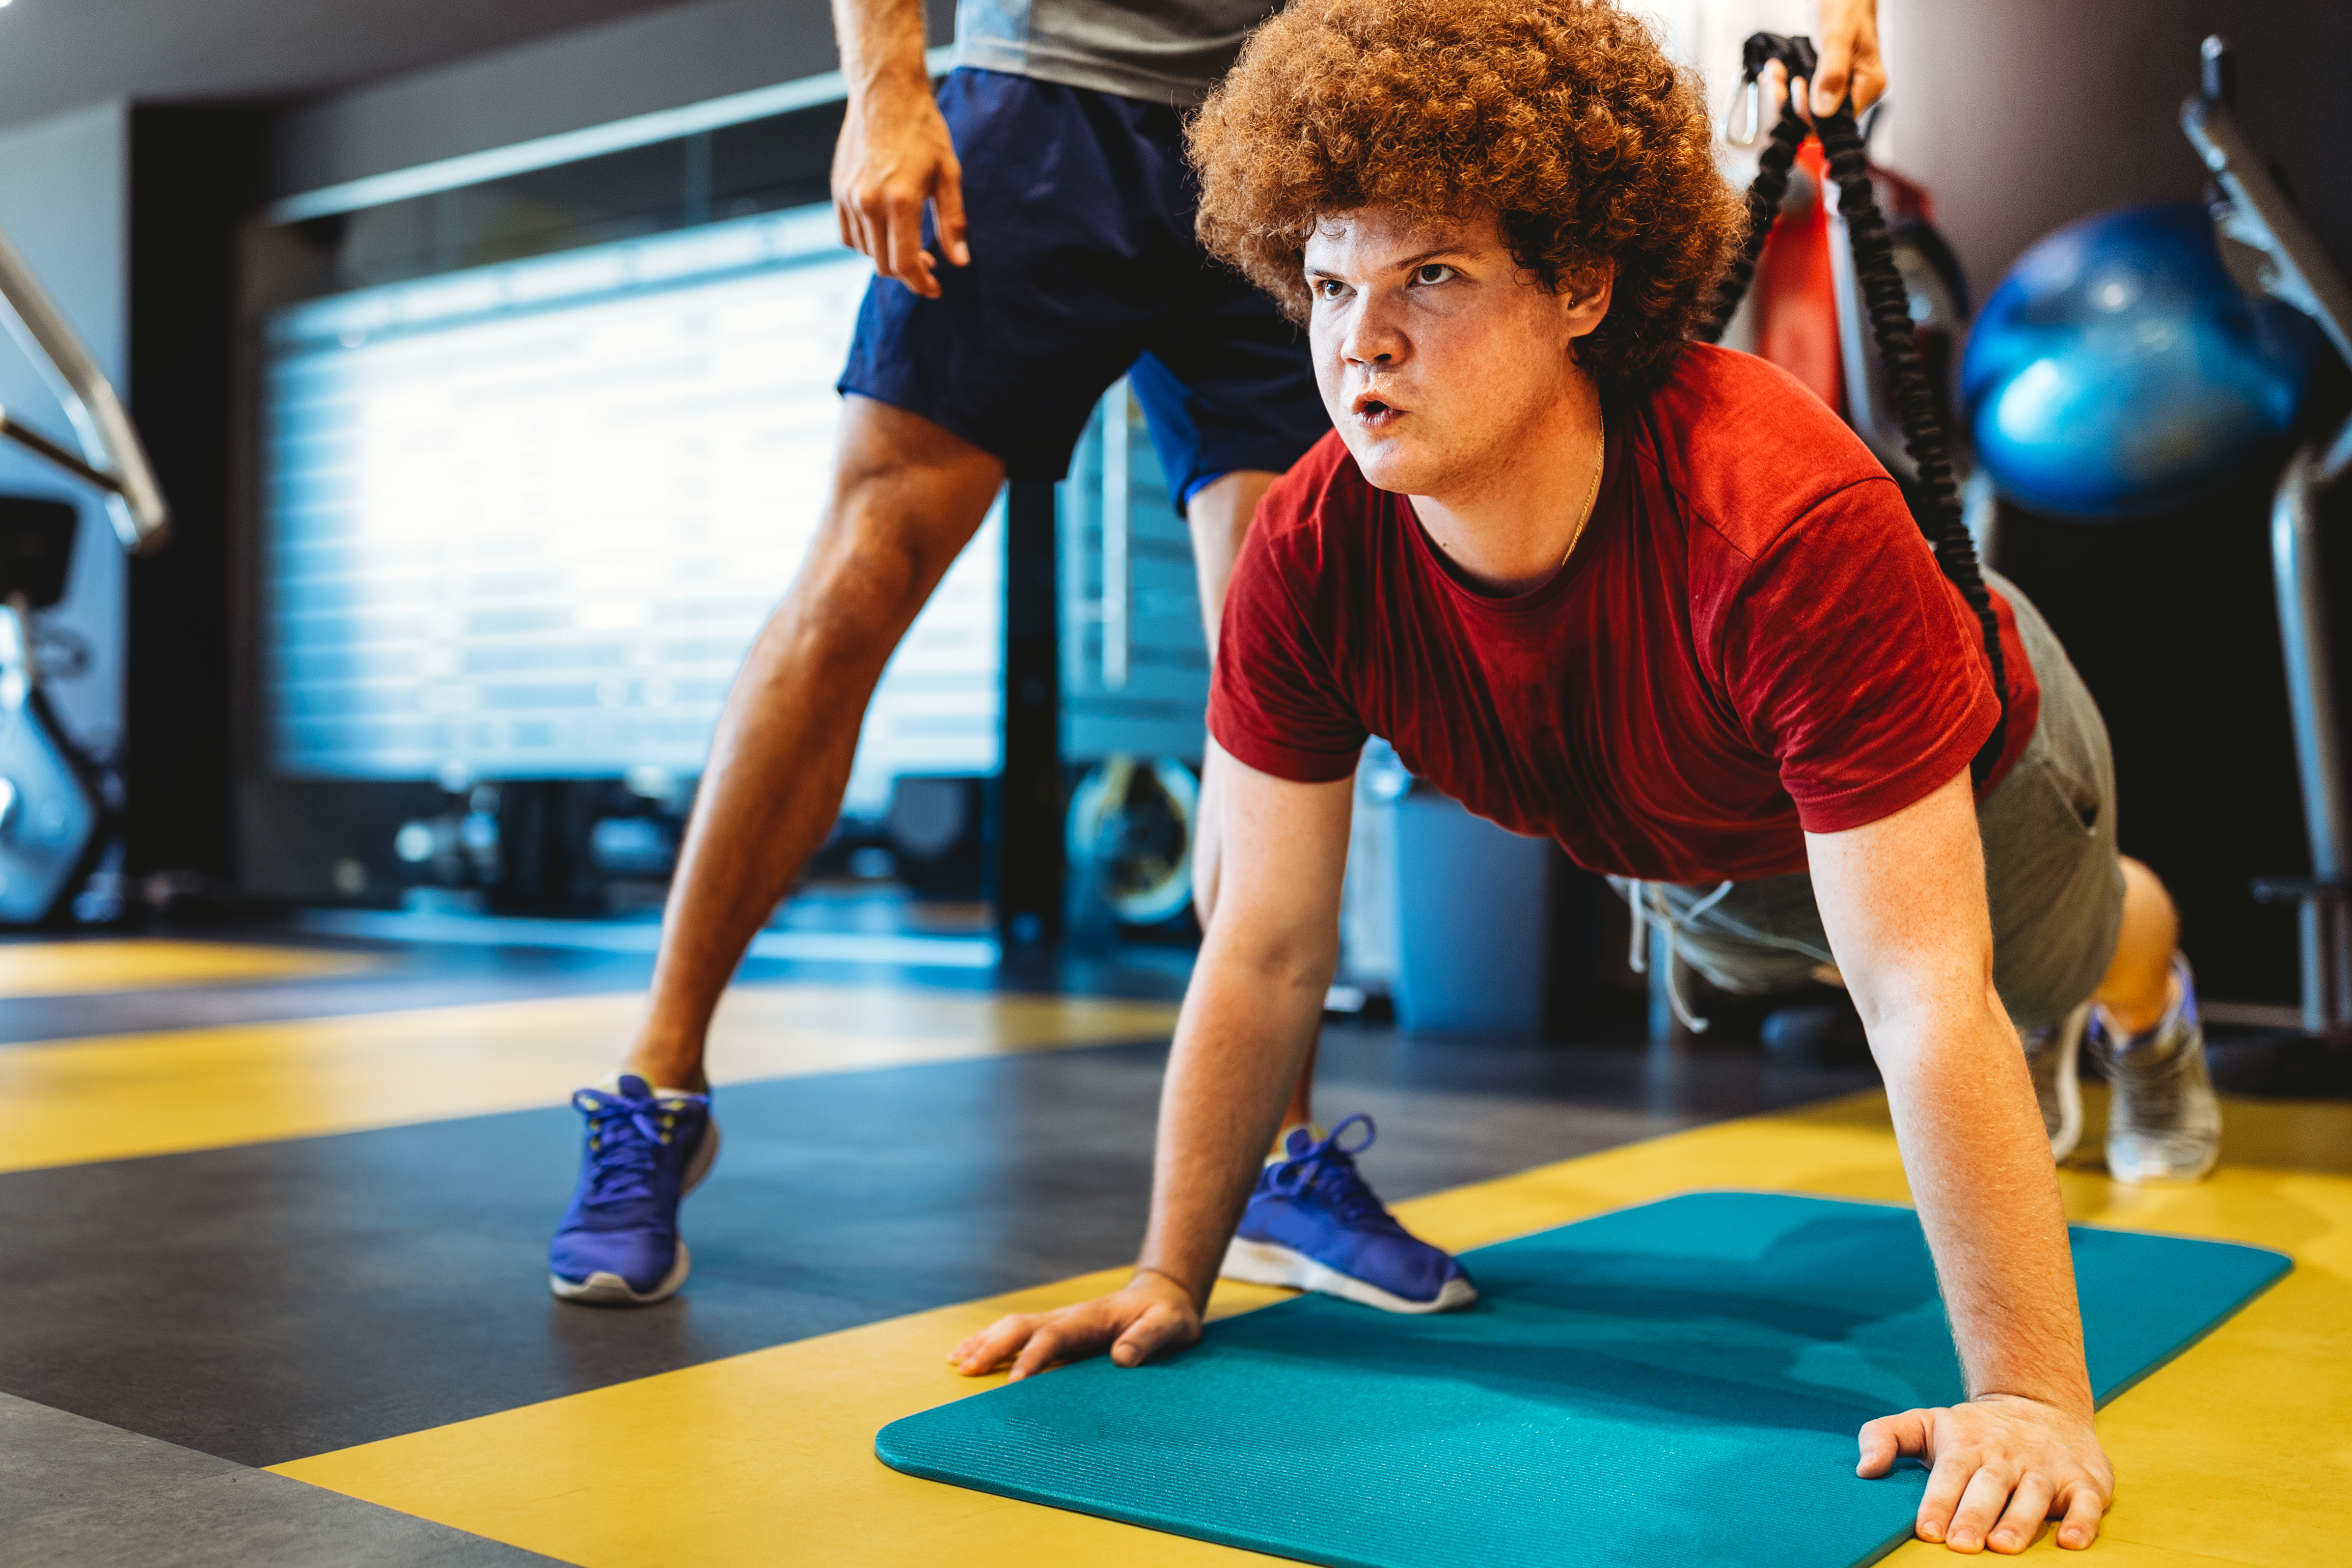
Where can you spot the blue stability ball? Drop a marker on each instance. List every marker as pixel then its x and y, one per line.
pixel 2119 369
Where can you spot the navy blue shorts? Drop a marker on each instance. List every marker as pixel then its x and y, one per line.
pixel 1084 267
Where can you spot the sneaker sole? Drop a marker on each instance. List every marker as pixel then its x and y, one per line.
pixel 2163 1176
pixel 1265 1263
pixel 605 1288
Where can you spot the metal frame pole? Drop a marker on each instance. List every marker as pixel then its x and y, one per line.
pixel 134 501
pixel 2298 271
pixel 2310 697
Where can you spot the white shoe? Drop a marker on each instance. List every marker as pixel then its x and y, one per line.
pixel 2164 1120
pixel 2050 1055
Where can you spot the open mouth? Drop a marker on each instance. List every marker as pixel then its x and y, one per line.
pixel 1375 411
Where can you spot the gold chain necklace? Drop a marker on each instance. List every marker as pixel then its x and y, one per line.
pixel 1591 497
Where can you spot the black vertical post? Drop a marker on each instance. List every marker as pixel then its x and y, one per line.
pixel 1027 853
pixel 195 174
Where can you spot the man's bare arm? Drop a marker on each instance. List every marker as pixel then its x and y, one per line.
pixel 1249 1017
pixel 895 153
pixel 1902 900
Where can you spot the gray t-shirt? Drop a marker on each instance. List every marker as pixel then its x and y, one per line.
pixel 1163 51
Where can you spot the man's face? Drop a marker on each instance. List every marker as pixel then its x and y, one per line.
pixel 1440 359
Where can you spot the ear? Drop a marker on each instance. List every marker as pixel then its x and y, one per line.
pixel 1584 303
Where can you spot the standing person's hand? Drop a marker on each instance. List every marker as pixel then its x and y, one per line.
pixel 894 156
pixel 1848 44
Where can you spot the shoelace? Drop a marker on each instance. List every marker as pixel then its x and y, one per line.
pixel 624 1139
pixel 2158 1084
pixel 2157 1087
pixel 1327 1172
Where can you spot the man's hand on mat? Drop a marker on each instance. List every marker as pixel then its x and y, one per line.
pixel 1152 1314
pixel 2001 1465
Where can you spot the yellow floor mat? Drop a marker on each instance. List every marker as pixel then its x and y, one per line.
pixel 2235 1453
pixel 145 963
pixel 71 1101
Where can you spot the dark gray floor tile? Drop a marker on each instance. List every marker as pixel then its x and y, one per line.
pixel 77 1493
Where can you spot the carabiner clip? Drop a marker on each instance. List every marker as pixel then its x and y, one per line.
pixel 1796 56
pixel 1750 92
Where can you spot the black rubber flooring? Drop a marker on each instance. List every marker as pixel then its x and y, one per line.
pixel 275 1301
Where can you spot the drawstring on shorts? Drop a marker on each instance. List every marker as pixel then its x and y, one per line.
pixel 1638 894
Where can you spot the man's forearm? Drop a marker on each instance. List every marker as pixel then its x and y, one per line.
pixel 1979 1162
pixel 1243 1037
pixel 881 46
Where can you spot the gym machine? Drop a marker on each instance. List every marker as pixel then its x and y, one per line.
pixel 54 818
pixel 2248 207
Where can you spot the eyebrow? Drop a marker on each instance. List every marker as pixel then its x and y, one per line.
pixel 1408 264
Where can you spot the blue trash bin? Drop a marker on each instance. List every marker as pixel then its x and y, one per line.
pixel 1471 916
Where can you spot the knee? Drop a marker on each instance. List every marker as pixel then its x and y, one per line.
pixel 869 570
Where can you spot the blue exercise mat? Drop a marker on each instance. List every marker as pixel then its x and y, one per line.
pixel 1678 1383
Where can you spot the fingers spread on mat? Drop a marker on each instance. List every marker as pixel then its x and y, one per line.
pixel 1999 1466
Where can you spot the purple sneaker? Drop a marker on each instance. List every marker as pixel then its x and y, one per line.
pixel 618 1245
pixel 1313 1225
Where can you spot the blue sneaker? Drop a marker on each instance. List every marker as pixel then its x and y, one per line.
pixel 618 1245
pixel 1313 1225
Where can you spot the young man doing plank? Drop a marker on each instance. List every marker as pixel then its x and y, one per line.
pixel 1654 600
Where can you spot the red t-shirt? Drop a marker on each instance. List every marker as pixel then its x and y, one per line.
pixel 1751 641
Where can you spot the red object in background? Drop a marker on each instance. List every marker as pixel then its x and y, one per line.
pixel 1796 302
pixel 1794 294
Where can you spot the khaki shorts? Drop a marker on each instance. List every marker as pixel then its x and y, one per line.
pixel 2050 871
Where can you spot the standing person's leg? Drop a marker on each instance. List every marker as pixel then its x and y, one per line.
pixel 991 376
pixel 1219 516
pixel 907 496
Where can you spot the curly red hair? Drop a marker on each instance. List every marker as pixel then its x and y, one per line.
pixel 1562 118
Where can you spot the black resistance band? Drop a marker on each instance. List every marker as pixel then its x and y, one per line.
pixel 1935 500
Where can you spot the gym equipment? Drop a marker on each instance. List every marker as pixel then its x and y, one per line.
pixel 50 805
pixel 2118 370
pixel 1934 497
pixel 1130 836
pixel 1891 402
pixel 1810 317
pixel 52 815
pixel 111 459
pixel 1680 1382
pixel 2247 206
